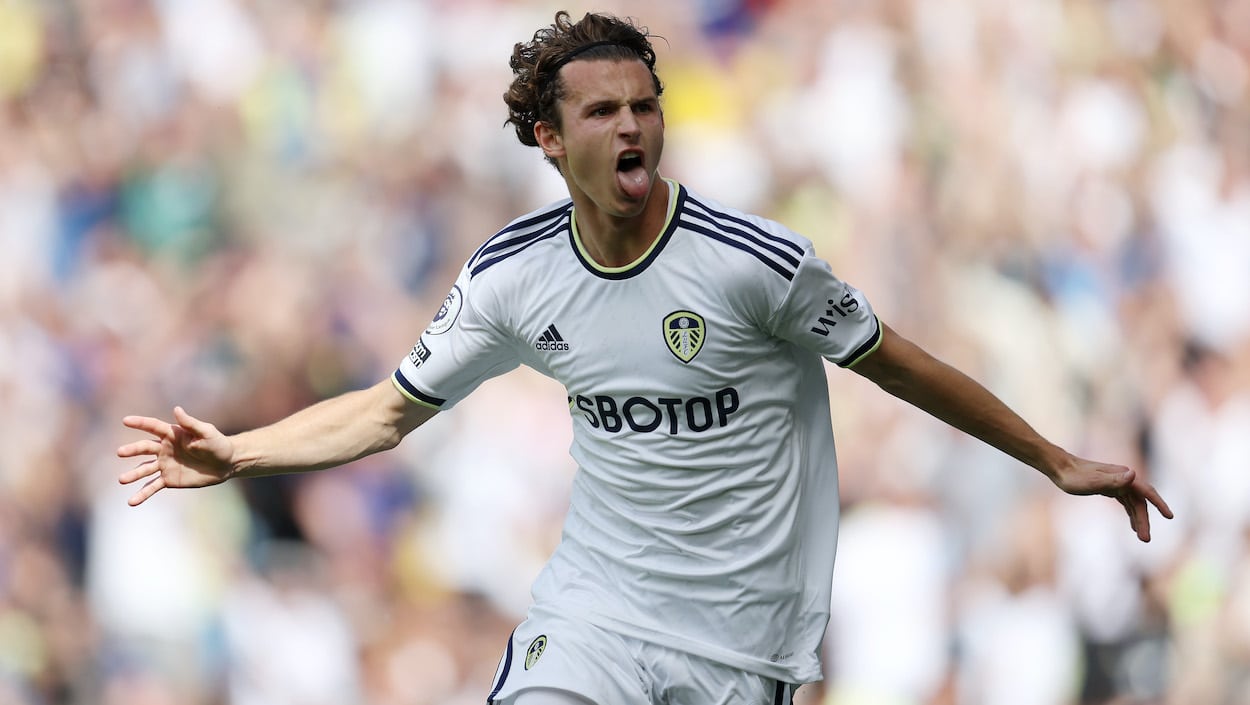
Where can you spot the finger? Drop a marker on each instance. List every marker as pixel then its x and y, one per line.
pixel 1120 476
pixel 1141 518
pixel 144 447
pixel 153 486
pixel 1108 480
pixel 1143 527
pixel 1128 509
pixel 139 472
pixel 156 427
pixel 1152 495
pixel 187 421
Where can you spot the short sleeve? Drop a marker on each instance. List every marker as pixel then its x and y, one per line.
pixel 826 315
pixel 461 348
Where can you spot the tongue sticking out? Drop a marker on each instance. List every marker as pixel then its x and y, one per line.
pixel 634 182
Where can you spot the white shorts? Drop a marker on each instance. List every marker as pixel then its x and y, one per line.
pixel 557 652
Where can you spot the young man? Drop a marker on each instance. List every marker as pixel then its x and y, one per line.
pixel 696 560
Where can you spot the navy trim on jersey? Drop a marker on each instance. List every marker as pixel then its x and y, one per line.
pixel 784 694
pixel 639 267
pixel 417 393
pixel 503 673
pixel 710 213
pixel 521 243
pixel 743 240
pixel 535 226
pixel 556 210
pixel 715 235
pixel 863 350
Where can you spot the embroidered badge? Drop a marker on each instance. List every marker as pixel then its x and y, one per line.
pixel 684 331
pixel 535 651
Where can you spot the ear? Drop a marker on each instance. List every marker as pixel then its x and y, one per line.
pixel 549 140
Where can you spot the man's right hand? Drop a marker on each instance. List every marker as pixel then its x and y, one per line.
pixel 188 453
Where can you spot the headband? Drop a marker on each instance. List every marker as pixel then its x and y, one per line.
pixel 555 69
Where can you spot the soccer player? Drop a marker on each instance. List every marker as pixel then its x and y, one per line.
pixel 696 560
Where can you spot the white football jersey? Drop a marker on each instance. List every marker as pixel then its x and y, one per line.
pixel 704 512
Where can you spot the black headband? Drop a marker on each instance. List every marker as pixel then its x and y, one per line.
pixel 555 69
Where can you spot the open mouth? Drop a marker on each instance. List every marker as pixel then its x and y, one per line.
pixel 632 176
pixel 629 161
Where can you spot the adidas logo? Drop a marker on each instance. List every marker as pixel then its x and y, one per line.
pixel 551 340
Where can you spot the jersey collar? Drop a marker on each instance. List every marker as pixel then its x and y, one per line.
pixel 676 197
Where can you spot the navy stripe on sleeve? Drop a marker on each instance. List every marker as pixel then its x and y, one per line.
pixel 873 341
pixel 417 393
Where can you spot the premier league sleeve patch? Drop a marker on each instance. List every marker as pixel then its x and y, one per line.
pixel 447 313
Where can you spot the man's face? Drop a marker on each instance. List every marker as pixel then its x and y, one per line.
pixel 611 136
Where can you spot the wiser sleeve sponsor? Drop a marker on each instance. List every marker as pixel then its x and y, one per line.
pixel 826 315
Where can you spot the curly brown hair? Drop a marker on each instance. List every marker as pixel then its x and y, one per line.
pixel 536 86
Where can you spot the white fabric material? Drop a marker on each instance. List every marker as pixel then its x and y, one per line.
pixel 552 651
pixel 704 513
pixel 547 696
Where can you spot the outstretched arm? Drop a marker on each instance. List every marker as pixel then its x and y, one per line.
pixel 192 453
pixel 903 369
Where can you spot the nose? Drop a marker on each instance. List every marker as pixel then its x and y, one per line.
pixel 627 122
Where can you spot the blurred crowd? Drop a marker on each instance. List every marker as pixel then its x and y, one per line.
pixel 243 206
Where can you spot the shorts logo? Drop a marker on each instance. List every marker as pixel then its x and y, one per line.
pixel 447 313
pixel 684 332
pixel 419 353
pixel 535 651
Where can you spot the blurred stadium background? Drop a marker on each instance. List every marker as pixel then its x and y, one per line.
pixel 242 206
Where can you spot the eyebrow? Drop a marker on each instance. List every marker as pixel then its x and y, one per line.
pixel 595 103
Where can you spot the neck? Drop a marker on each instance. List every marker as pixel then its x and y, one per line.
pixel 616 241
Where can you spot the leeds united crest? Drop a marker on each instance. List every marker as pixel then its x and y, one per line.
pixel 684 332
pixel 535 651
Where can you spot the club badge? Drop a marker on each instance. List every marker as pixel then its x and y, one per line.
pixel 684 332
pixel 535 651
